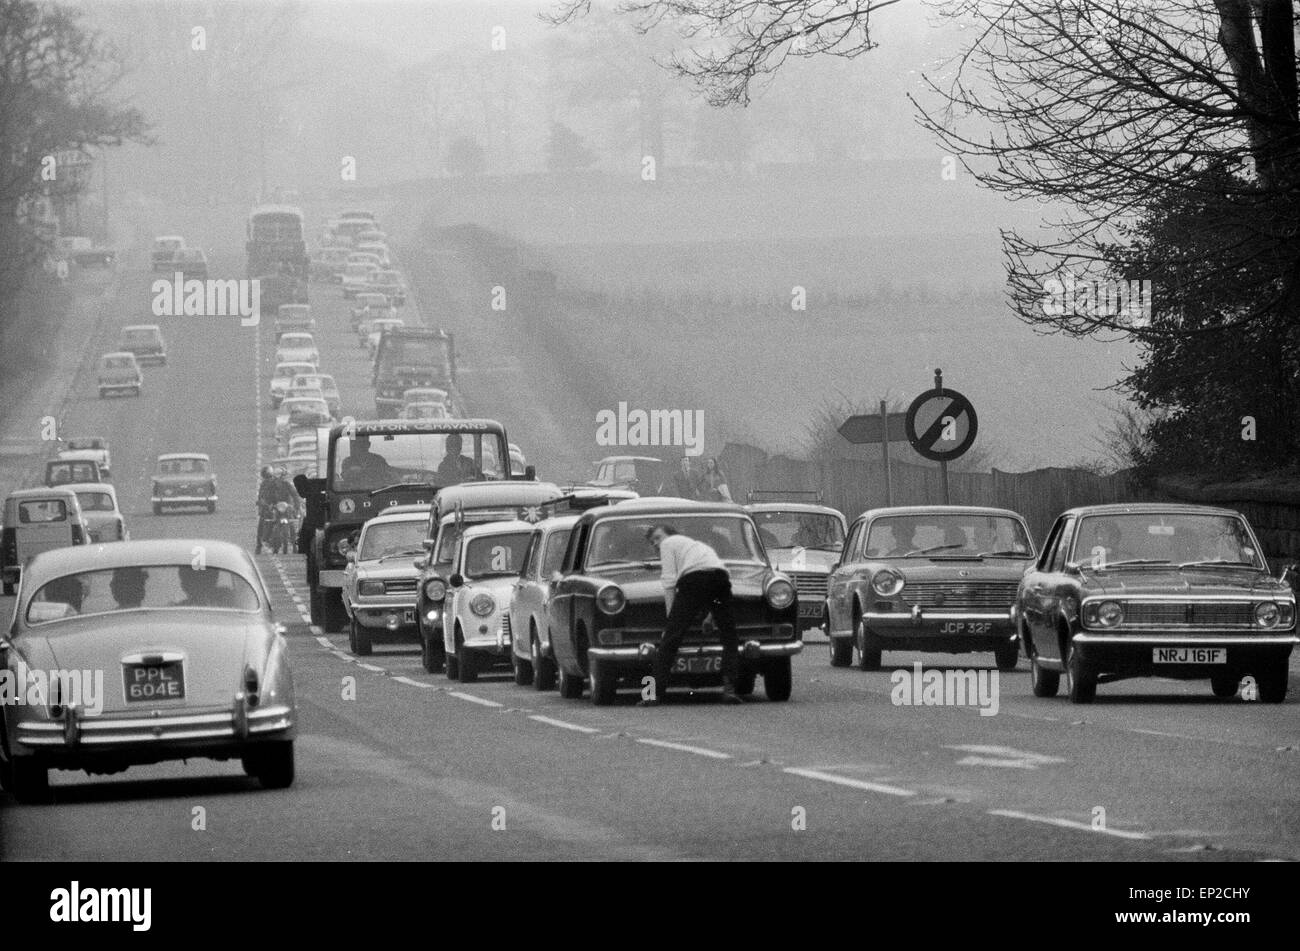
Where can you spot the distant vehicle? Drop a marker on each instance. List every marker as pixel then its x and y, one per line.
pixel 184 479
pixel 427 394
pixel 356 277
pixel 373 236
pixel 377 329
pixel 283 375
pixel 297 348
pixel 163 254
pixel 96 444
pixel 191 262
pixel 303 444
pixel 485 568
pixel 204 668
pixel 1155 590
pixel 119 371
pixel 300 412
pixel 145 341
pixel 803 539
pixel 103 518
pixel 84 455
pixel 275 242
pixel 327 264
pixel 85 253
pixel 389 283
pixel 644 475
pixel 70 471
pixel 328 388
pixel 380 579
pixel 380 251
pixel 411 358
pixel 279 289
pixel 37 520
pixel 530 633
pixel 368 306
pixel 298 391
pixel 294 464
pixel 290 317
pixel 433 411
pixel 928 578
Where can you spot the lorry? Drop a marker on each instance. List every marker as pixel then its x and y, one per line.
pixel 411 357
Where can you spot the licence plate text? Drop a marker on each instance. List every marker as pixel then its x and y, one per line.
pixel 698 665
pixel 149 682
pixel 1190 655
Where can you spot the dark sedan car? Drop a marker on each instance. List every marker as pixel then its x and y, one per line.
pixel 606 612
pixel 1153 590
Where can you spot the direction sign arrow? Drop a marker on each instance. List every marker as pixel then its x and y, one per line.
pixel 870 429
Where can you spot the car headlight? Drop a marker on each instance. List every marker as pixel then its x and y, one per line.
pixel 780 593
pixel 887 583
pixel 370 589
pixel 435 589
pixel 482 604
pixel 1110 613
pixel 611 599
pixel 1267 614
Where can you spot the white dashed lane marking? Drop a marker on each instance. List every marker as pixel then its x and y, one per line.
pixel 473 699
pixel 847 781
pixel 563 725
pixel 685 748
pixel 1067 824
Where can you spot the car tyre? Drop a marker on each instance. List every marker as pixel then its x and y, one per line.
pixel 1083 679
pixel 841 651
pixel 869 649
pixel 1224 685
pixel 523 670
pixel 604 685
pixel 1007 655
pixel 571 687
pixel 468 668
pixel 778 679
pixel 1272 682
pixel 272 764
pixel 1045 683
pixel 431 658
pixel 359 639
pixel 335 616
pixel 29 781
pixel 543 667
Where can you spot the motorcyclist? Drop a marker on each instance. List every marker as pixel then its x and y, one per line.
pixel 274 488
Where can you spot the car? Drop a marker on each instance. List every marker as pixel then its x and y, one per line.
pixel 356 275
pixel 803 539
pixel 484 569
pixel 297 348
pixel 119 371
pixel 380 579
pixel 183 479
pixel 325 383
pixel 644 475
pixel 1155 590
pixel 928 578
pixel 431 411
pixel 373 236
pixel 606 610
pixel 289 317
pixel 380 251
pixel 196 665
pixel 37 520
pixel 369 304
pixel 303 444
pixel 164 250
pixel 533 659
pixel 300 413
pixel 389 283
pixel 102 515
pixel 377 329
pixel 284 374
pixel 374 320
pixel 145 341
pixel 191 262
pixel 95 444
pixel 427 394
pixel 303 391
pixel 67 471
pixel 328 262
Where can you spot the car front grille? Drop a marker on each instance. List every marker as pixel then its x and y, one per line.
pixel 1196 614
pixel 961 596
pixel 811 585
pixel 400 586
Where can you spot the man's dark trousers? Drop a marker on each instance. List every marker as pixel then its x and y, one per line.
pixel 699 593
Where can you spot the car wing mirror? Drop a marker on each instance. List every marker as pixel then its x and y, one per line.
pixel 456 580
pixel 1288 574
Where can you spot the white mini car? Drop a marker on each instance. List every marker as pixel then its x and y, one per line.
pixel 485 567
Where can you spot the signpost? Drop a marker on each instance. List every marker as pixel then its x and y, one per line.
pixel 941 425
pixel 887 426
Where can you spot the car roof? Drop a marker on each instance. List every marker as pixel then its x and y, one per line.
pixel 807 507
pixel 660 505
pixel 44 492
pixel 1139 508
pixel 180 551
pixel 92 487
pixel 184 455
pixel 504 527
pixel 918 510
pixel 406 513
pixel 293 363
pixel 71 439
pixel 77 455
pixel 498 492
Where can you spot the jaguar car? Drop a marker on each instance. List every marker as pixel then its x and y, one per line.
pixel 484 569
pixel 929 578
pixel 145 341
pixel 380 579
pixel 184 479
pixel 803 540
pixel 149 651
pixel 606 611
pixel 1155 590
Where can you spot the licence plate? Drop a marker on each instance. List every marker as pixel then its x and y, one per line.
pixel 1190 655
pixel 965 627
pixel 810 610
pixel 698 665
pixel 408 616
pixel 146 683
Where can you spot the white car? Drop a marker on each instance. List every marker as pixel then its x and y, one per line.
pixel 300 412
pixel 380 251
pixel 328 388
pixel 164 250
pixel 284 375
pixel 485 567
pixel 427 394
pixel 424 411
pixel 297 348
pixel 356 276
pixel 302 444
pixel 99 508
pixel 380 580
pixel 96 444
pixel 370 331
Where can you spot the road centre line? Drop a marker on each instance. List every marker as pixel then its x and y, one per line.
pixel 685 748
pixel 1067 824
pixel 847 781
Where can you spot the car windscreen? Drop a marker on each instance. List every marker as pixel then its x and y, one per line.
pixel 382 459
pixel 623 540
pixel 118 363
pixel 111 590
pixel 948 534
pixel 182 467
pixel 795 529
pixel 95 501
pixel 1164 538
pixel 392 538
pixel 495 556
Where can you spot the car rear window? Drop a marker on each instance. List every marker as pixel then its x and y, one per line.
pixel 39 511
pixel 108 591
pixel 95 501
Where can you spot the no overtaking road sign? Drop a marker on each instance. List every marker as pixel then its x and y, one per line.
pixel 941 423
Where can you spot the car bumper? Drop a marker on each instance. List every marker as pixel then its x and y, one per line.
pixel 183 499
pixel 942 630
pixel 396 615
pixel 750 649
pixel 1136 652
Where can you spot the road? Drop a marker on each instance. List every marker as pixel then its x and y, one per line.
pixel 394 763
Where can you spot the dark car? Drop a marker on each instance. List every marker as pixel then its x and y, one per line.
pixel 928 577
pixel 606 612
pixel 1153 590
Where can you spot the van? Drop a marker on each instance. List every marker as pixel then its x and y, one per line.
pixel 37 520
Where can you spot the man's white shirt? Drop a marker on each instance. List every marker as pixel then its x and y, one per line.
pixel 679 555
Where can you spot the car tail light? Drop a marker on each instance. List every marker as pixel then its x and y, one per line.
pixel 252 687
pixel 9 547
pixel 78 534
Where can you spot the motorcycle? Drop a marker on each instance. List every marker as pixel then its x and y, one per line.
pixel 281 532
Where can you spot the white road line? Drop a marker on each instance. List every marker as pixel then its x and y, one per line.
pixel 684 748
pixel 563 725
pixel 473 699
pixel 846 781
pixel 372 667
pixel 415 683
pixel 325 642
pixel 1067 824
